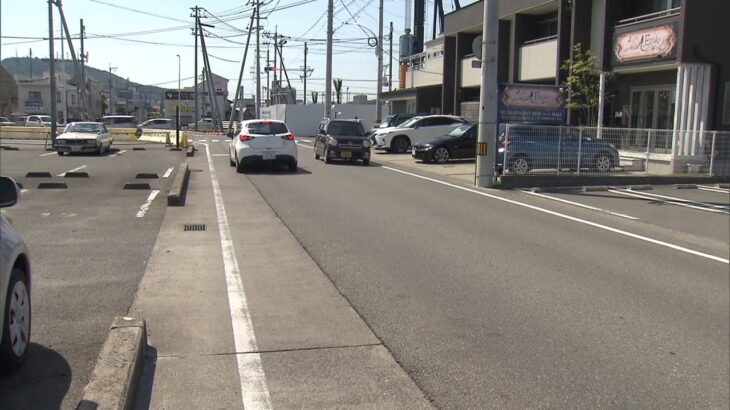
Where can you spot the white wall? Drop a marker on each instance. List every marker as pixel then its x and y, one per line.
pixel 470 76
pixel 303 120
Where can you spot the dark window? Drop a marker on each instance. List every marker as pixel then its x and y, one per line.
pixel 345 128
pixel 267 128
pixel 547 26
pixel 34 95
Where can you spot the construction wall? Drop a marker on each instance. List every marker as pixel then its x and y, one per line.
pixel 303 120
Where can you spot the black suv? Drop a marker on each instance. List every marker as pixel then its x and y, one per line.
pixel 342 139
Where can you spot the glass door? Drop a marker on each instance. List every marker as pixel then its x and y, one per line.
pixel 652 107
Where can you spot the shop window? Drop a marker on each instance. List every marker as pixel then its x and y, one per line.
pixel 73 99
pixel 34 95
pixel 726 106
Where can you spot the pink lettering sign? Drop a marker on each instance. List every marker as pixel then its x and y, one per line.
pixel 534 98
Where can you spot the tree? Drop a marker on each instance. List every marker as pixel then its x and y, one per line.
pixel 582 85
pixel 103 104
pixel 338 89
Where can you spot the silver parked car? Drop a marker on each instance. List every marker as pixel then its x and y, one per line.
pixel 158 124
pixel 15 314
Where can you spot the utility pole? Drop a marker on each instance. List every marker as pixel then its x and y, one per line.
pixel 239 92
pixel 196 10
pixel 111 90
pixel 379 51
pixel 64 97
pixel 288 83
pixel 209 79
pixel 328 69
pixel 305 73
pixel 487 140
pixel 52 69
pixel 268 78
pixel 83 65
pixel 276 65
pixel 390 59
pixel 258 59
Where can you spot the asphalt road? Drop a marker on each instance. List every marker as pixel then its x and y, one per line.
pixel 514 301
pixel 88 252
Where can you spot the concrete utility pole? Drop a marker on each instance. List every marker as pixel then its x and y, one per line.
pixel 304 99
pixel 83 67
pixel 486 145
pixel 111 90
pixel 239 92
pixel 390 59
pixel 328 66
pixel 268 77
pixel 64 97
pixel 196 11
pixel 258 59
pixel 52 73
pixel 379 52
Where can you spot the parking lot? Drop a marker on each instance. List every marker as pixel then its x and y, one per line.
pixel 89 243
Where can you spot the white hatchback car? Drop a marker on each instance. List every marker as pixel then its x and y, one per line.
pixel 14 285
pixel 260 141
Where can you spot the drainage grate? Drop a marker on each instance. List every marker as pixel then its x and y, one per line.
pixel 194 227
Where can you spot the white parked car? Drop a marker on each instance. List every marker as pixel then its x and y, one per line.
pixel 84 137
pixel 262 141
pixel 417 129
pixel 15 314
pixel 38 121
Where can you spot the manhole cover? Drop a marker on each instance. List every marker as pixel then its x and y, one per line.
pixel 194 227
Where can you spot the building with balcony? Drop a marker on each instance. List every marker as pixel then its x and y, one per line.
pixel 665 62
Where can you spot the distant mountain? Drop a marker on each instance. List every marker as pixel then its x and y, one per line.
pixel 21 66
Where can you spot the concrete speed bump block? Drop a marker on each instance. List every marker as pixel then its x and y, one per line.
pixel 137 185
pixel 52 185
pixel 147 176
pixel 9 148
pixel 596 188
pixel 76 175
pixel 176 196
pixel 38 175
pixel 114 380
pixel 640 187
pixel 685 186
pixel 139 149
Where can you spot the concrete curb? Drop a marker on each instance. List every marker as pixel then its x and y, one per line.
pixel 176 196
pixel 190 151
pixel 114 380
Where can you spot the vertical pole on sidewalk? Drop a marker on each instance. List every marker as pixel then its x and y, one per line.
pixel 647 154
pixel 580 148
pixel 52 74
pixel 601 93
pixel 328 65
pixel 177 126
pixel 379 52
pixel 488 98
pixel 712 153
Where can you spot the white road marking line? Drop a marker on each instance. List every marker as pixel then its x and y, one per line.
pixel 675 201
pixel 713 189
pixel 117 154
pixel 568 217
pixel 146 205
pixel 254 389
pixel 47 154
pixel 220 155
pixel 22 191
pixel 303 145
pixel 73 170
pixel 214 140
pixel 168 172
pixel 581 205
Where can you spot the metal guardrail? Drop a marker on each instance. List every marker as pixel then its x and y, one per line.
pixel 648 17
pixel 551 150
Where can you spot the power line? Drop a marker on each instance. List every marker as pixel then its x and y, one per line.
pixel 147 13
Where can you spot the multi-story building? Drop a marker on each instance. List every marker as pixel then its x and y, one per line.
pixel 665 61
pixel 8 93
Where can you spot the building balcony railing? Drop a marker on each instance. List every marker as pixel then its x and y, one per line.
pixel 649 17
pixel 539 59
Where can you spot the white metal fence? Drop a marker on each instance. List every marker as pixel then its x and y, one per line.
pixel 550 150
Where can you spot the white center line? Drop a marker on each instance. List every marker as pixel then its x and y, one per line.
pixel 254 389
pixel 568 217
pixel 168 172
pixel 214 140
pixel 73 170
pixel 146 205
pixel 22 191
pixel 581 205
pixel 220 155
pixel 47 154
pixel 118 153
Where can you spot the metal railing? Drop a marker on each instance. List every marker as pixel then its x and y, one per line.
pixel 551 150
pixel 648 17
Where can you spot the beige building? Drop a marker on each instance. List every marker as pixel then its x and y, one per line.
pixel 8 93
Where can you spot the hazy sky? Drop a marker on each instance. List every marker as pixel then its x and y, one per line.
pixel 156 64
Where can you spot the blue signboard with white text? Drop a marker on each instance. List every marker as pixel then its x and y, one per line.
pixel 534 104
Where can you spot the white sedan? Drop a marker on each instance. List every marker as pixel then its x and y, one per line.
pixel 261 141
pixel 84 137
